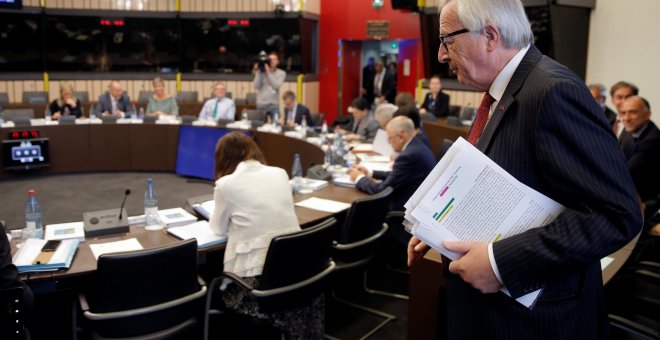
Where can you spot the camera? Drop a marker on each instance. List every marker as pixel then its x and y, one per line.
pixel 262 61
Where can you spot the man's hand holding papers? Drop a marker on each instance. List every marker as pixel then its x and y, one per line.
pixel 474 266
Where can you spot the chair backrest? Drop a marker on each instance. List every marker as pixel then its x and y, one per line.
pixel 256 115
pixel 131 280
pixel 67 120
pixel 317 118
pixel 35 97
pixel 428 117
pixel 365 217
pixel 444 147
pixel 468 113
pixel 296 268
pixel 454 110
pixel 240 101
pixel 83 96
pixel 143 97
pixel 251 98
pixel 454 121
pixel 13 114
pixel 188 119
pixel 186 96
pixel 12 309
pixel 4 99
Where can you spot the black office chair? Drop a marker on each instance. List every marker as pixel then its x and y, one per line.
pixel 21 121
pixel 444 147
pixel 188 119
pixel 143 97
pixel 454 121
pixel 150 119
pixel 251 98
pixel 12 314
pixel 454 110
pixel 356 245
pixel 240 101
pixel 186 96
pixel 35 97
pixel 317 118
pixel 154 293
pixel 83 96
pixel 295 271
pixel 256 115
pixel 468 113
pixel 4 99
pixel 13 114
pixel 633 302
pixel 428 117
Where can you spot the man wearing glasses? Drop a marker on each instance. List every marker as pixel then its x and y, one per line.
pixel 539 122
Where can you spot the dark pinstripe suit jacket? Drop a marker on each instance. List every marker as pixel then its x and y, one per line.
pixel 548 132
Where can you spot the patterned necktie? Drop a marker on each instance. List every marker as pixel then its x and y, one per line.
pixel 482 118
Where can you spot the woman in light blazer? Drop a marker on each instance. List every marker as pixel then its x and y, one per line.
pixel 253 204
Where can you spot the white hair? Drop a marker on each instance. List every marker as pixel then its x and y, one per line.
pixel 601 89
pixel 384 112
pixel 402 124
pixel 507 15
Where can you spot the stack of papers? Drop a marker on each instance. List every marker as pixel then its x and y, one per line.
pixel 31 248
pixel 65 231
pixel 175 217
pixel 382 144
pixel 323 205
pixel 374 166
pixel 131 244
pixel 311 184
pixel 467 196
pixel 344 180
pixel 201 232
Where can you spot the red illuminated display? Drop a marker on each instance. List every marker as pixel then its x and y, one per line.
pixel 112 22
pixel 238 22
pixel 24 134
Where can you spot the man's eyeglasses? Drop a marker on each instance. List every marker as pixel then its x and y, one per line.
pixel 445 36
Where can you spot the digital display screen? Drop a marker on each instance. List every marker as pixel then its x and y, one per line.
pixel 196 150
pixel 11 3
pixel 24 134
pixel 25 154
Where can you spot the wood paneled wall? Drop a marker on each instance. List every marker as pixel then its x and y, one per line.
pixel 460 98
pixel 309 6
pixel 95 88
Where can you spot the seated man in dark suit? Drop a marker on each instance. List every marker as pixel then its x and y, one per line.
pixel 643 149
pixel 294 112
pixel 414 162
pixel 9 273
pixel 115 102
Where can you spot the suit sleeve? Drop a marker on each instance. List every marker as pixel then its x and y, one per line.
pixel 403 167
pixel 642 166
pixel 53 107
pixel 78 110
pixel 130 111
pixel 8 272
pixel 580 166
pixel 100 107
pixel 442 106
pixel 308 116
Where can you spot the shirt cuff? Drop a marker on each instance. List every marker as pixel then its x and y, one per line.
pixel 359 177
pixel 370 172
pixel 493 264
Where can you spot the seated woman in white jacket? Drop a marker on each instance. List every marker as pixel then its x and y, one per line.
pixel 253 204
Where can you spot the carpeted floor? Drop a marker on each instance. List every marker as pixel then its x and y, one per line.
pixel 64 198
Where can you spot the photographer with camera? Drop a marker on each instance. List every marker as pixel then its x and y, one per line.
pixel 267 81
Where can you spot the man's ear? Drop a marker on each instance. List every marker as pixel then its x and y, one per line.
pixel 492 35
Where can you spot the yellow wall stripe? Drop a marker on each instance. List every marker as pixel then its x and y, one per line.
pixel 46 86
pixel 300 87
pixel 178 81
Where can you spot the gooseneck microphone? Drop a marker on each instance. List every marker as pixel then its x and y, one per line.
pixel 121 209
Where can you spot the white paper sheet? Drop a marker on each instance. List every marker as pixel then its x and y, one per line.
pixel 130 244
pixel 323 205
pixel 200 231
pixel 467 196
pixel 381 144
pixel 605 261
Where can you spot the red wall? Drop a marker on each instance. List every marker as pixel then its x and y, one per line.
pixel 347 19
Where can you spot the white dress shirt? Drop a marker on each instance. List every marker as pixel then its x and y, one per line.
pixel 378 82
pixel 226 109
pixel 252 205
pixel 496 90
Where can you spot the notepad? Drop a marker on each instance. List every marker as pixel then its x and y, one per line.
pixel 65 231
pixel 175 217
pixel 31 248
pixel 130 244
pixel 344 181
pixel 201 232
pixel 321 204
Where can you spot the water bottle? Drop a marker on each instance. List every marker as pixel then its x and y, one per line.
pixel 303 125
pixel 276 116
pixel 324 128
pixel 327 158
pixel 33 220
pixel 296 173
pixel 66 110
pixel 151 205
pixel 245 118
pixel 48 115
pixel 141 114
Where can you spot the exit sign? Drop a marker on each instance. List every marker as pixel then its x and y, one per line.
pixel 377 3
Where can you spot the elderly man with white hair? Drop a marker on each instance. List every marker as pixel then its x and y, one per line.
pixel 539 122
pixel 414 162
pixel 384 113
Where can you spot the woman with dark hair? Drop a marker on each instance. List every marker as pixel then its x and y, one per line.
pixel 253 204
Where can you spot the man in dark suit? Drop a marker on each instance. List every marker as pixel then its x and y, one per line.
pixel 642 150
pixel 414 162
pixel 115 102
pixel 294 112
pixel 9 273
pixel 540 124
pixel 384 84
pixel 599 93
pixel 368 73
